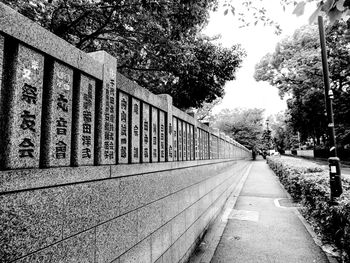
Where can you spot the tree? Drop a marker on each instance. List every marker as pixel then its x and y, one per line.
pixel 243 125
pixel 295 69
pixel 157 42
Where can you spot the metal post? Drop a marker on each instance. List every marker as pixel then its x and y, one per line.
pixel 333 161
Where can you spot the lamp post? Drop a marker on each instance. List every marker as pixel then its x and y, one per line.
pixel 333 160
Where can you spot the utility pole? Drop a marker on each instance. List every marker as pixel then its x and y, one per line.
pixel 333 160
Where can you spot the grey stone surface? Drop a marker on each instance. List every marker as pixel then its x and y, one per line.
pixel 169 127
pixel 116 237
pixel 149 219
pixel 89 204
pixel 25 100
pixel 27 31
pixel 155 136
pixel 56 148
pixel 188 131
pixel 180 139
pixel 141 253
pixel 178 227
pixel 162 138
pixel 2 39
pixel 106 109
pixel 175 140
pixel 29 221
pixel 15 180
pixel 145 133
pixel 135 130
pixel 192 142
pixel 184 140
pixel 84 122
pixel 196 143
pixel 123 128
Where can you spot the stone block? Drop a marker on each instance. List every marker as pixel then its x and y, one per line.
pixel 159 260
pixel 23 110
pixel 106 109
pixel 149 219
pixel 123 128
pixel 180 139
pixel 135 130
pixel 57 110
pixel 155 136
pixel 89 204
pixel 79 248
pixel 192 157
pixel 162 135
pixel 175 140
pixel 2 42
pixel 196 143
pixel 116 237
pixel 84 121
pixel 141 253
pixel 29 221
pixel 157 244
pixel 171 207
pixel 145 133
pixel 178 227
pixel 188 136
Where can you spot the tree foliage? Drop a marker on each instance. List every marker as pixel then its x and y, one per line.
pixel 295 68
pixel 157 42
pixel 243 125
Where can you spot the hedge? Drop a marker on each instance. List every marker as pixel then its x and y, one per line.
pixel 308 184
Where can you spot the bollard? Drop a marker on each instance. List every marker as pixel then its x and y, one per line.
pixel 335 177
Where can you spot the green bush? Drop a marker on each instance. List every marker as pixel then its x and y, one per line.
pixel 308 184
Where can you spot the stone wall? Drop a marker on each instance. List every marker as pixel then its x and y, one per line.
pixel 95 168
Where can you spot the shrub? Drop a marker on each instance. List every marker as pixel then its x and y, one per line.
pixel 308 184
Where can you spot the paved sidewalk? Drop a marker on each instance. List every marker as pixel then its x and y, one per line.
pixel 262 228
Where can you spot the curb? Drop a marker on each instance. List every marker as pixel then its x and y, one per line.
pixel 213 236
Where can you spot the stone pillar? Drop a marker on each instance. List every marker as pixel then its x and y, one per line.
pixel 180 139
pixel 175 140
pixel 169 128
pixel 57 111
pixel 22 107
pixel 83 121
pixel 145 133
pixel 196 142
pixel 106 110
pixel 123 128
pixel 162 138
pixel 184 139
pixel 192 142
pixel 134 138
pixel 155 135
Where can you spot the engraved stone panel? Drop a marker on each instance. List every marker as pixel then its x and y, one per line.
pixel 56 150
pixel 180 139
pixel 154 137
pixel 206 141
pixel 196 142
pixel 145 135
pixel 23 138
pixel 106 110
pixel 123 127
pixel 200 144
pixel 184 140
pixel 135 130
pixel 84 134
pixel 175 140
pixel 191 142
pixel 162 136
pixel 188 146
pixel 1 59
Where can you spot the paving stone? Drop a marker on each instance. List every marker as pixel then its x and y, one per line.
pixel 25 101
pixel 56 148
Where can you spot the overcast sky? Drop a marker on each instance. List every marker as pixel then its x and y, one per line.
pixel 245 92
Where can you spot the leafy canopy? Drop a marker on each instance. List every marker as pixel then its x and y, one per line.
pixel 157 42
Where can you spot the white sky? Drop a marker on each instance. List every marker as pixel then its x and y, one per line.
pixel 245 92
